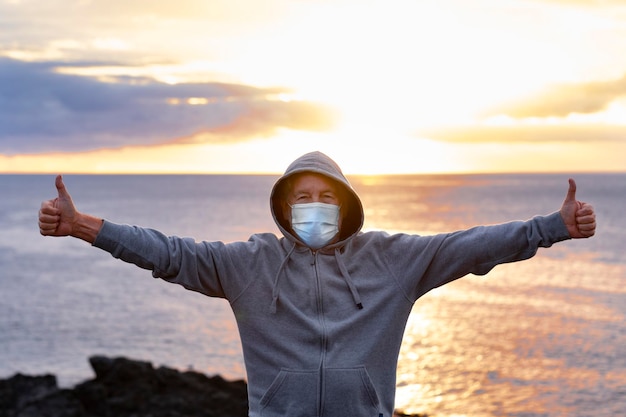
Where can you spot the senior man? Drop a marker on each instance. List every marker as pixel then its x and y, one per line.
pixel 321 310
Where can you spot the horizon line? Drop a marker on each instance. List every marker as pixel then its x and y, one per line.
pixel 355 174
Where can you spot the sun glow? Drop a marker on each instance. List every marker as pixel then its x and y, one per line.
pixel 412 65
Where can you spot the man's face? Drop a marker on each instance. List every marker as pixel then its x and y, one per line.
pixel 311 188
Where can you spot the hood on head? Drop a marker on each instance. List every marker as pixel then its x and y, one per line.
pixel 319 163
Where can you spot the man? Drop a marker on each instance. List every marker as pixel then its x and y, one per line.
pixel 321 311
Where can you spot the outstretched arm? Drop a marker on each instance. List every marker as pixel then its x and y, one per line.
pixel 59 217
pixel 579 217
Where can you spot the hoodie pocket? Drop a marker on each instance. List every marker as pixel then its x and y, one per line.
pixel 293 394
pixel 349 391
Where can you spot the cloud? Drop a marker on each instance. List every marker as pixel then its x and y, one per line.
pixel 587 133
pixel 565 113
pixel 45 111
pixel 586 3
pixel 263 119
pixel 565 99
pixel 155 30
pixel 128 12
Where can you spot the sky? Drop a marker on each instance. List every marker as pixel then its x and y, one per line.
pixel 246 86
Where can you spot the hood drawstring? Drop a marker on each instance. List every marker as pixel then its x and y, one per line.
pixel 346 276
pixel 275 289
pixel 342 268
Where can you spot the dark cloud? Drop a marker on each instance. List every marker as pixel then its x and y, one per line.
pixel 44 111
pixel 562 100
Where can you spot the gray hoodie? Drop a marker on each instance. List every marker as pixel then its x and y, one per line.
pixel 321 330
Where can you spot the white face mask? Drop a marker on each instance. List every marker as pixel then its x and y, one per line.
pixel 316 224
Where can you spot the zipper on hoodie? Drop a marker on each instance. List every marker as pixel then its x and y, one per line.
pixel 324 335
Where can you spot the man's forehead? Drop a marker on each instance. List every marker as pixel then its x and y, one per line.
pixel 306 180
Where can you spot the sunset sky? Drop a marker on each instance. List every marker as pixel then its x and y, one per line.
pixel 246 86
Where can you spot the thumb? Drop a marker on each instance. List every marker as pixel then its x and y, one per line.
pixel 571 192
pixel 61 187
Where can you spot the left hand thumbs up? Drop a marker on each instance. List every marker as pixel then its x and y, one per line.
pixel 579 217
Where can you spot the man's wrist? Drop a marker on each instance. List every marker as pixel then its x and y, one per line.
pixel 86 227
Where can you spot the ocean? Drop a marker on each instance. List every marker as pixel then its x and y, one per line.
pixel 540 338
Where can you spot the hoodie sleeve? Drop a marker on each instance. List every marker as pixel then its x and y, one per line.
pixel 178 260
pixel 439 259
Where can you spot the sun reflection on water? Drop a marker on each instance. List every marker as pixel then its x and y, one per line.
pixel 525 340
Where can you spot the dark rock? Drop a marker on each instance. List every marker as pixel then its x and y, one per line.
pixel 20 390
pixel 125 388
pixel 36 396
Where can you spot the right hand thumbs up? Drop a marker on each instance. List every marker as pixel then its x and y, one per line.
pixel 57 216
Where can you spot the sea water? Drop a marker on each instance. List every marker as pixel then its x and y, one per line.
pixel 540 338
